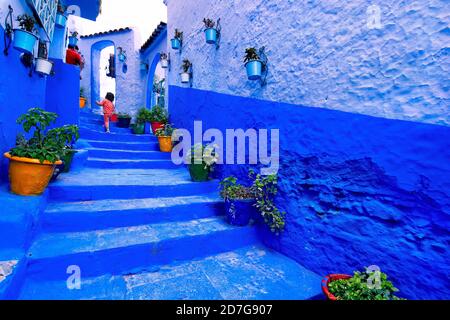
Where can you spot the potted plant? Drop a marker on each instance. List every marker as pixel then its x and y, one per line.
pixel 83 99
pixel 164 58
pixel 177 40
pixel 239 201
pixel 165 138
pixel 142 117
pixel 360 286
pixel 123 120
pixel 73 38
pixel 186 68
pixel 61 17
pixel 158 117
pixel 32 162
pixel 253 64
pixel 210 31
pixel 43 65
pixel 24 38
pixel 69 135
pixel 201 160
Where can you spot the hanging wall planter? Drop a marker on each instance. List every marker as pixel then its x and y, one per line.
pixel 24 38
pixel 177 41
pixel 165 60
pixel 43 65
pixel 144 66
pixel 73 39
pixel 122 54
pixel 212 31
pixel 61 18
pixel 187 74
pixel 256 65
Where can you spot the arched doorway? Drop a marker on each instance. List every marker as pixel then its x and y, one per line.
pixel 102 78
pixel 156 84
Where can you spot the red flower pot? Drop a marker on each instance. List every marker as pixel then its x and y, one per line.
pixel 330 278
pixel 114 118
pixel 156 126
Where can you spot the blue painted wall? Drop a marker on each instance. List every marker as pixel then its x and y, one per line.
pixel 358 190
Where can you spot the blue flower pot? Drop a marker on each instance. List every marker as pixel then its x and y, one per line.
pixel 24 41
pixel 73 41
pixel 254 69
pixel 211 35
pixel 61 20
pixel 176 44
pixel 239 212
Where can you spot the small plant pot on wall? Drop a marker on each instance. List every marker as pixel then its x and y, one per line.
pixel 187 73
pixel 61 20
pixel 212 31
pixel 256 65
pixel 254 69
pixel 43 66
pixel 24 41
pixel 165 60
pixel 177 40
pixel 185 77
pixel 73 39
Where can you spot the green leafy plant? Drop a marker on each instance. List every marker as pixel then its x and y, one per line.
pixel 204 155
pixel 231 190
pixel 45 145
pixel 163 56
pixel 158 114
pixel 74 34
pixel 124 115
pixel 186 66
pixel 357 287
pixel 209 23
pixel 178 35
pixel 26 22
pixel 82 93
pixel 251 54
pixel 167 131
pixel 143 116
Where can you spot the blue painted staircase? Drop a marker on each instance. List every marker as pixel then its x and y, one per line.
pixel 138 228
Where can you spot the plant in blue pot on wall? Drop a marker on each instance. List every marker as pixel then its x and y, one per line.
pixel 211 31
pixel 253 64
pixel 177 40
pixel 24 38
pixel 73 38
pixel 239 201
pixel 61 17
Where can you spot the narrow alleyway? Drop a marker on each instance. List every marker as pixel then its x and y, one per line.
pixel 138 228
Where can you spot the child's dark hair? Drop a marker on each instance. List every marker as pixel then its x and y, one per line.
pixel 110 97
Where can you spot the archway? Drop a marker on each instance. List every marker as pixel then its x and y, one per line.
pixel 156 84
pixel 99 59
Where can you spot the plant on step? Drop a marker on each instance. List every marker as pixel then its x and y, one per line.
pixel 201 160
pixel 265 189
pixel 209 23
pixel 124 120
pixel 33 160
pixel 364 285
pixel 158 117
pixel 165 137
pixel 251 54
pixel 26 22
pixel 239 200
pixel 124 115
pixel 143 116
pixel 68 136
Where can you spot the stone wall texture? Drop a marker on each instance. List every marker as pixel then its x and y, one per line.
pixel 323 53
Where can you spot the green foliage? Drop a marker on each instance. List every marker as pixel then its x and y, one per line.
pixel 82 93
pixel 357 287
pixel 164 56
pixel 124 115
pixel 167 131
pixel 178 35
pixel 44 145
pixel 231 190
pixel 204 155
pixel 251 54
pixel 186 66
pixel 143 116
pixel 74 34
pixel 159 114
pixel 209 23
pixel 26 22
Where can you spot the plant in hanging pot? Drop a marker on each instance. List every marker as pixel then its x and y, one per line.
pixel 142 118
pixel 24 38
pixel 253 64
pixel 186 67
pixel 83 99
pixel 158 117
pixel 211 32
pixel 123 120
pixel 165 138
pixel 32 162
pixel 201 160
pixel 239 201
pixel 43 65
pixel 73 38
pixel 365 285
pixel 61 17
pixel 177 40
pixel 164 59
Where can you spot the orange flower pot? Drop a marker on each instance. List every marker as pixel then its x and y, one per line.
pixel 29 177
pixel 165 144
pixel 82 102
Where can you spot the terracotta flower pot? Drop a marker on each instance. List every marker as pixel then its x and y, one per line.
pixel 82 102
pixel 29 177
pixel 165 144
pixel 330 278
pixel 156 126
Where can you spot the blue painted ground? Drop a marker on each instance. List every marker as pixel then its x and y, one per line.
pixel 138 228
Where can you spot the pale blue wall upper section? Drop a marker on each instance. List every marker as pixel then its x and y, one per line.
pixel 322 53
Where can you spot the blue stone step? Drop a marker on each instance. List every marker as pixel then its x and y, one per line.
pixel 129 164
pixel 247 273
pixel 118 250
pixel 99 128
pixel 91 134
pixel 120 145
pixel 103 214
pixel 99 184
pixel 128 154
